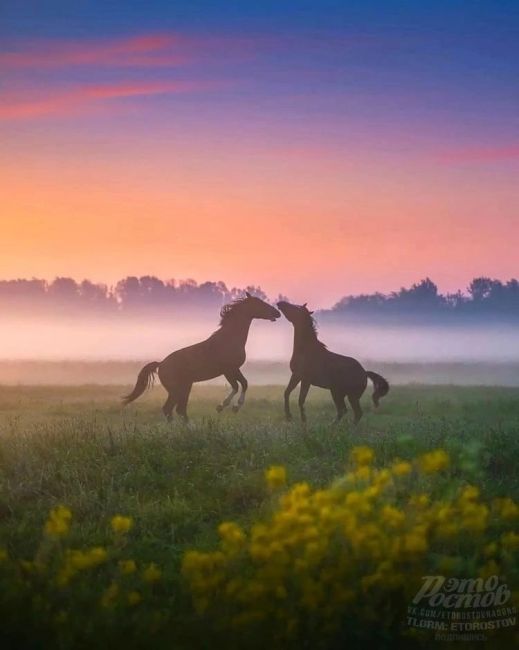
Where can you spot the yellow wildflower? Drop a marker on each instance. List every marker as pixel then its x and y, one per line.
pixel 363 473
pixel 97 555
pixel 510 541
pixel 490 549
pixel 474 517
pixel 231 533
pixel 469 493
pixel 362 455
pixel 401 468
pixel 121 525
pixel 133 598
pixel 127 566
pixel 415 542
pixel 419 500
pixel 76 561
pixel 151 573
pixel 392 516
pixel 58 523
pixel 506 508
pixel 362 531
pixel 382 478
pixel 4 556
pixel 434 461
pixel 276 476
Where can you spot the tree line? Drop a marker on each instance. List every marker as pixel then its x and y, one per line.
pixel 131 294
pixel 484 298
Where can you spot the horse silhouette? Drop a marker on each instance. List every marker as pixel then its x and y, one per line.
pixel 313 364
pixel 223 353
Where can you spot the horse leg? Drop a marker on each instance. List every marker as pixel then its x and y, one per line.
pixel 234 389
pixel 355 405
pixel 244 385
pixel 182 401
pixel 294 380
pixel 303 392
pixel 338 398
pixel 168 407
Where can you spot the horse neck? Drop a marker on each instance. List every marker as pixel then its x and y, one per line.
pixel 237 328
pixel 304 337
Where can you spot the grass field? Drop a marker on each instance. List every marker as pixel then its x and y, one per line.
pixel 76 446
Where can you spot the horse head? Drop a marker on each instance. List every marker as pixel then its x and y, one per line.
pixel 257 308
pixel 248 308
pixel 296 314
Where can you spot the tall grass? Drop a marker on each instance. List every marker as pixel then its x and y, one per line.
pixel 75 446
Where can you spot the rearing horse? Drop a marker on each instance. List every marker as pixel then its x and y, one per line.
pixel 223 353
pixel 313 364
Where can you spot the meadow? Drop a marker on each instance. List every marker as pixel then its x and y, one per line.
pixel 74 446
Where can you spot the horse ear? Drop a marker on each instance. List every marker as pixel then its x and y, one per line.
pixel 248 294
pixel 310 312
pixel 305 305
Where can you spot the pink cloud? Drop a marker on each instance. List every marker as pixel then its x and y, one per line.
pixel 88 97
pixel 143 50
pixel 480 155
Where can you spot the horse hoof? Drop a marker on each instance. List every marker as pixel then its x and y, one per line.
pixel 219 408
pixel 235 409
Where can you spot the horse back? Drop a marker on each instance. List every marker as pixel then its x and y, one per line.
pixel 201 361
pixel 329 370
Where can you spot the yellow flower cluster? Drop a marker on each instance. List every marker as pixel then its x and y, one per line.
pixel 275 476
pixel 325 554
pixel 151 573
pixel 362 455
pixel 58 522
pixel 126 567
pixel 76 561
pixel 121 525
pixel 434 461
pixel 506 508
pixel 232 535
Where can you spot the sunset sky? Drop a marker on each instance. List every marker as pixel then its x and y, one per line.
pixel 314 148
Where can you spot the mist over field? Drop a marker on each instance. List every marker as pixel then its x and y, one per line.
pixel 123 339
pixel 144 319
pixel 113 348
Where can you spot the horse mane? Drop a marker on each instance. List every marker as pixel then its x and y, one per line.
pixel 311 323
pixel 228 310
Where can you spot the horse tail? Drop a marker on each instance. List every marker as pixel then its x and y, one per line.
pixel 380 384
pixel 144 381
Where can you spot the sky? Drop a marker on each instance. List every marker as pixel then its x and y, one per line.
pixel 314 148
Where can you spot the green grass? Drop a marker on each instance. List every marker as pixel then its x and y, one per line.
pixel 76 446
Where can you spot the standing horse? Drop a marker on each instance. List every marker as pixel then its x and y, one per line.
pixel 223 353
pixel 313 364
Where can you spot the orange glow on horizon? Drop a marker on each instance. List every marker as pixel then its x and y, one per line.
pixel 310 232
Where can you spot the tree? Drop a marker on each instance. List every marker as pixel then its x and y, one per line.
pixel 64 290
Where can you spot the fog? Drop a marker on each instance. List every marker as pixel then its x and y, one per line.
pixel 124 339
pixel 77 351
